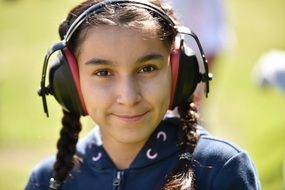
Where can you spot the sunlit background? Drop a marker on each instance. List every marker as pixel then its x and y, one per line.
pixel 237 109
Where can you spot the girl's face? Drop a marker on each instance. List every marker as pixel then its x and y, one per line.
pixel 125 80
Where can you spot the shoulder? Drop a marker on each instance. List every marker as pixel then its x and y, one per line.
pixel 210 147
pixel 216 160
pixel 41 175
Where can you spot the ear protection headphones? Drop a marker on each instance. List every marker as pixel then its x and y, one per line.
pixel 64 82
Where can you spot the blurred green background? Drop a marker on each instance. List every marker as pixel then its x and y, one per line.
pixel 236 109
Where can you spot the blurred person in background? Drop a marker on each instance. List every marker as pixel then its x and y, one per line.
pixel 209 19
pixel 269 71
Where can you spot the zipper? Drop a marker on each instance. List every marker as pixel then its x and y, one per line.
pixel 118 180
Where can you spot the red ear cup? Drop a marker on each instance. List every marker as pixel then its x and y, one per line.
pixel 185 74
pixel 65 84
pixel 174 61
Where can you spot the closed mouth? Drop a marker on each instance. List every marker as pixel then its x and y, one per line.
pixel 127 117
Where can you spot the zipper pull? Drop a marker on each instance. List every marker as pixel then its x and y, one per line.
pixel 117 180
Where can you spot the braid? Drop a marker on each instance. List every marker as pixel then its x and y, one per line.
pixel 183 178
pixel 189 119
pixel 66 146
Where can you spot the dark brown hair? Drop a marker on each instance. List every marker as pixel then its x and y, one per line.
pixel 136 18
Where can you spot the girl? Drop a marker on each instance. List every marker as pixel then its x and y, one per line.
pixel 124 64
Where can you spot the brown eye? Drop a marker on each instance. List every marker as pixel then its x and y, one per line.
pixel 147 69
pixel 103 73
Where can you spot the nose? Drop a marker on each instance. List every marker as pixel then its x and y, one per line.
pixel 129 92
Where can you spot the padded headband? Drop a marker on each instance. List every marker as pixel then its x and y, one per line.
pixel 96 8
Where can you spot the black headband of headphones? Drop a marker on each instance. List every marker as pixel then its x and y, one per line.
pixel 99 6
pixel 96 8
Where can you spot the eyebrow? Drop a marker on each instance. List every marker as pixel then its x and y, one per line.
pixel 148 57
pixel 97 61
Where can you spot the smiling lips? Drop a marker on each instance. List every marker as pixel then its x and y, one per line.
pixel 130 118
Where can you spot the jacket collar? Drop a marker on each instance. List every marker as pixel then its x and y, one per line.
pixel 161 144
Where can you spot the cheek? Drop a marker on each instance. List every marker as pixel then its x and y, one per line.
pixel 92 92
pixel 166 89
pixel 87 92
pixel 159 90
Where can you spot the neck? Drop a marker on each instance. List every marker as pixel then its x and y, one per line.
pixel 122 154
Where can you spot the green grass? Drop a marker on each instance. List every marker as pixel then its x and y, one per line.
pixel 236 109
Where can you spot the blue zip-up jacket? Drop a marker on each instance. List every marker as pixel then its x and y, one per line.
pixel 218 165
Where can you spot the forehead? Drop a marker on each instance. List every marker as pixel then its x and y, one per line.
pixel 118 44
pixel 108 35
